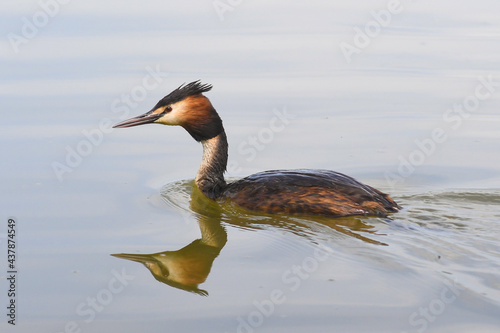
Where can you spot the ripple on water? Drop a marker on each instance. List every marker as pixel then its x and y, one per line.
pixel 456 232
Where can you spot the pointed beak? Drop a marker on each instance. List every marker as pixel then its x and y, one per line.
pixel 134 257
pixel 147 118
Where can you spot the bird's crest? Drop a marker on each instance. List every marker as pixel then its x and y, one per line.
pixel 184 90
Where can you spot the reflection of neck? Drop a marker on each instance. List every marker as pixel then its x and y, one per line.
pixel 212 232
pixel 210 177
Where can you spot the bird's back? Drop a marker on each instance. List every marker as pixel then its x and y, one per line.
pixel 308 192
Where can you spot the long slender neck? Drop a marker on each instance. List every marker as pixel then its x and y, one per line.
pixel 210 176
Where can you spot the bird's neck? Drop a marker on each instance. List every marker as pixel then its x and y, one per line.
pixel 210 177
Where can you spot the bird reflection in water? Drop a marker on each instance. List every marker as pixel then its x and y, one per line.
pixel 189 266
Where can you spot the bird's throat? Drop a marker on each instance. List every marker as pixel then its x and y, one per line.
pixel 210 176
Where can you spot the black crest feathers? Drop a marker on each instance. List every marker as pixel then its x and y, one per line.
pixel 184 90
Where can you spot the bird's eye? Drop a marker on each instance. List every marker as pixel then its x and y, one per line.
pixel 168 109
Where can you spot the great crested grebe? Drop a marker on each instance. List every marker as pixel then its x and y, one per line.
pixel 305 192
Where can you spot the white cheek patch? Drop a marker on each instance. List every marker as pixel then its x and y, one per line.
pixel 170 118
pixel 178 114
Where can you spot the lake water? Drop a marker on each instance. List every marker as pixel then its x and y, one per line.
pixel 402 95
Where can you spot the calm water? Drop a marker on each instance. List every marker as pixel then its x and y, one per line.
pixel 111 236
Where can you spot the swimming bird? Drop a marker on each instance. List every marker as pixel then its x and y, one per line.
pixel 302 191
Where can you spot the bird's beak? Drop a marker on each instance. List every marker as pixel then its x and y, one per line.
pixel 134 257
pixel 147 118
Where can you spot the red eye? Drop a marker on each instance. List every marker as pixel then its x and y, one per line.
pixel 168 109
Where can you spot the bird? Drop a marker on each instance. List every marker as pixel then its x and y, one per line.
pixel 312 192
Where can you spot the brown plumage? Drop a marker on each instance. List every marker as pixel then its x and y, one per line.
pixel 309 192
pixel 305 192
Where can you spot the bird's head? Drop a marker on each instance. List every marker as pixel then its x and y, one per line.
pixel 186 106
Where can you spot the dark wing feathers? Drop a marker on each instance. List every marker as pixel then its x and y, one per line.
pixel 315 192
